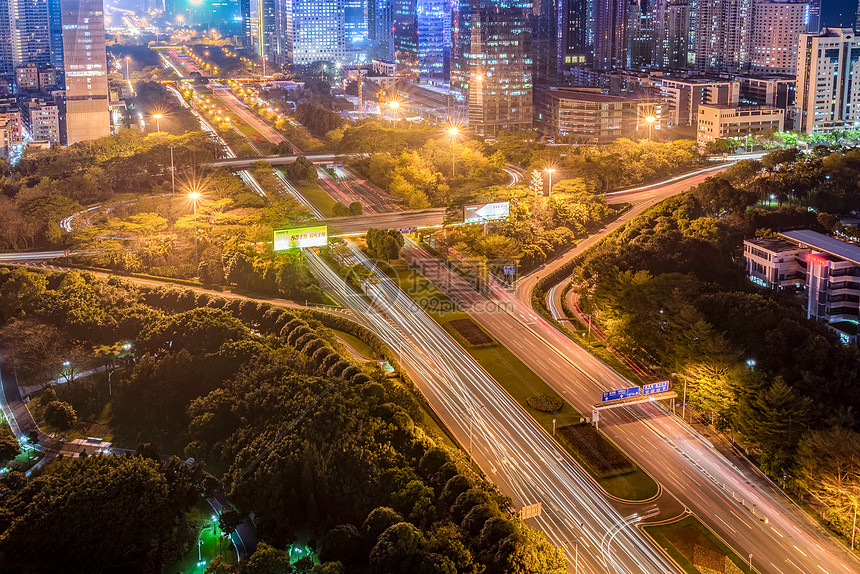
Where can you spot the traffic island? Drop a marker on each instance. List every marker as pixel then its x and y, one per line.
pixel 696 549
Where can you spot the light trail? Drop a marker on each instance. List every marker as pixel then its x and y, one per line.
pixel 508 444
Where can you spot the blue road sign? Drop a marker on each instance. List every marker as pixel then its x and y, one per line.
pixel 652 388
pixel 621 394
pixel 510 269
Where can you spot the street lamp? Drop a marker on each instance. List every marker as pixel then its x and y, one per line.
pixel 649 121
pixel 454 133
pixel 127 75
pixel 550 171
pixel 194 196
pixel 158 121
pixel 393 106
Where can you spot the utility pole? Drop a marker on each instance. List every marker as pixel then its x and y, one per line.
pixel 172 173
pixel 359 92
pixel 684 403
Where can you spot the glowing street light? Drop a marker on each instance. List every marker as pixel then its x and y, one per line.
pixel 649 121
pixel 550 171
pixel 194 196
pixel 158 121
pixel 454 132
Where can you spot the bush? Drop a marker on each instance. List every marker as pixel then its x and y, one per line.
pixel 545 403
pixel 595 450
pixel 60 415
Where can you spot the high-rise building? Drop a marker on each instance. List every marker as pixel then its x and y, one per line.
pixel 574 46
pixel 406 34
pixel 547 53
pixel 828 81
pixel 722 35
pixel 380 24
pixel 268 41
pixel 7 60
pixel 55 31
pixel 775 31
pixel 434 39
pixel 87 99
pixel 315 31
pixel 245 13
pixel 672 30
pixel 640 34
pixel 31 38
pixel 355 21
pixel 492 65
pixel 611 34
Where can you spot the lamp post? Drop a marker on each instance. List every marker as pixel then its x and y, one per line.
pixel 172 174
pixel 194 196
pixel 649 120
pixel 158 121
pixel 393 106
pixel 453 132
pixel 684 402
pixel 550 171
pixel 127 75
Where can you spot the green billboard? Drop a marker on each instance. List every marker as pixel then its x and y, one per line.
pixel 298 237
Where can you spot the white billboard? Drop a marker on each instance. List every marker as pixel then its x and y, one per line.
pixel 481 212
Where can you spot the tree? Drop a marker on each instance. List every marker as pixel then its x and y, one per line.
pixel 123 511
pixel 9 446
pixel 229 520
pixel 828 466
pixel 721 145
pixel 775 419
pixel 238 269
pixel 302 169
pixel 60 415
pixel 268 560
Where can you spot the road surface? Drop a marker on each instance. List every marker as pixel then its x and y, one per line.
pixel 344 226
pixel 508 445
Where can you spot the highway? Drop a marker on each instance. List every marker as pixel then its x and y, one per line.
pixel 346 187
pixel 511 449
pixel 345 226
pixel 251 118
pixel 733 503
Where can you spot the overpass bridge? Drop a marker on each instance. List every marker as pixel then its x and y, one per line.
pixel 245 163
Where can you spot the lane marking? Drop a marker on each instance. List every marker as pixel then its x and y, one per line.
pixel 801 551
pixel 729 525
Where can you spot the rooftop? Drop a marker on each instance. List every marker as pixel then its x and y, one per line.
pixel 825 243
pixel 573 94
pixel 774 244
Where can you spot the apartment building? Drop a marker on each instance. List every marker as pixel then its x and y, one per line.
pixel 42 119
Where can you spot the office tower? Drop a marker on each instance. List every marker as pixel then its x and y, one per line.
pixel 245 11
pixel 814 16
pixel 87 115
pixel 672 29
pixel 492 68
pixel 434 39
pixel 722 35
pixel 355 21
pixel 268 42
pixel 828 81
pixel 610 34
pixel 545 42
pixel 31 41
pixel 380 21
pixel 315 31
pixel 574 46
pixel 406 34
pixel 775 31
pixel 55 30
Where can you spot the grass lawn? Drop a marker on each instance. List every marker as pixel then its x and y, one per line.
pixel 518 380
pixel 315 194
pixel 23 462
pixel 360 347
pixel 212 543
pixel 695 548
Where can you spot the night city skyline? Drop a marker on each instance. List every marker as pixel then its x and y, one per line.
pixel 429 286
